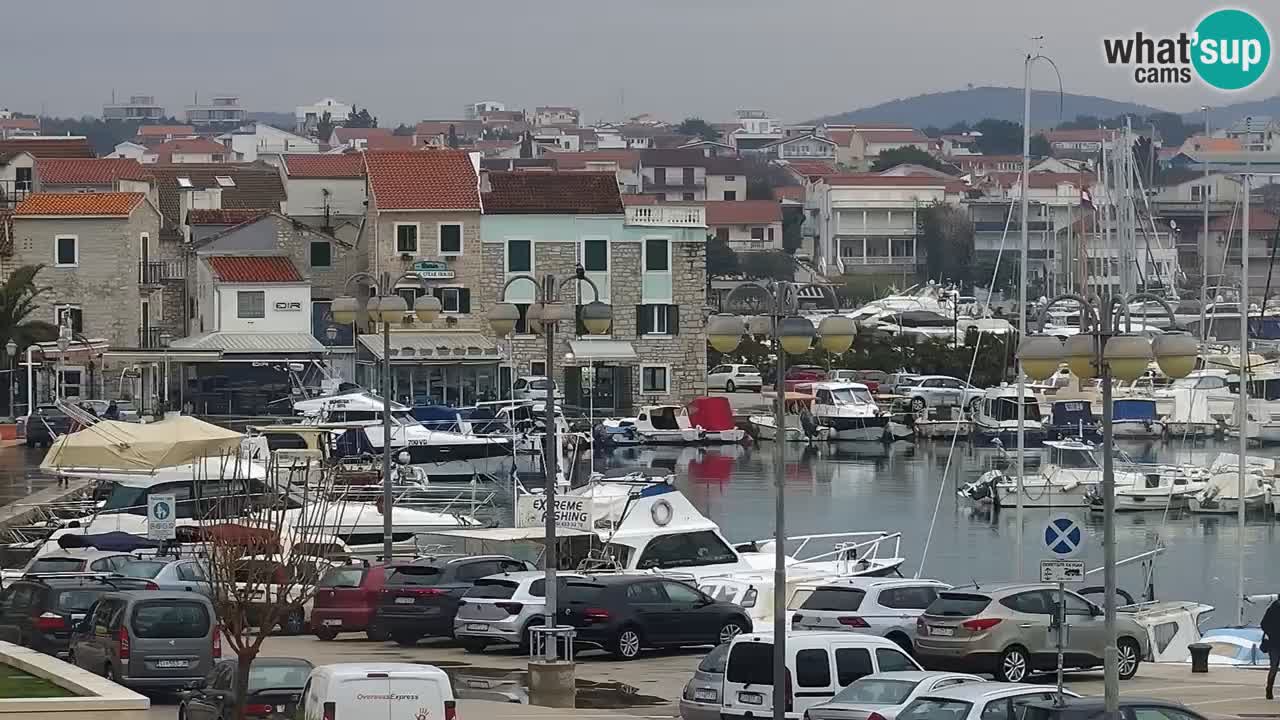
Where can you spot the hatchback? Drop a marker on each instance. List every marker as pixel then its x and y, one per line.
pixel 42 610
pixel 149 640
pixel 346 600
pixel 887 607
pixel 421 598
pixel 732 378
pixel 1005 630
pixel 275 688
pixel 701 697
pixel 533 387
pixel 979 701
pixel 170 574
pixel 501 608
pixel 884 694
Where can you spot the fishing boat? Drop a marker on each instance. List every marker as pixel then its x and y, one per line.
pixel 800 424
pixel 997 417
pixel 849 409
pixel 1073 419
pixel 1135 419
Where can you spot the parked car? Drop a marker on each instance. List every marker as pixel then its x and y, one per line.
pixel 346 600
pixel 500 609
pixel 701 697
pixel 798 375
pixel 149 640
pixel 271 578
pixel 626 613
pixel 887 607
pixel 1094 708
pixel 884 694
pixel 1004 630
pixel 897 383
pixel 979 701
pixel 78 560
pixel 170 574
pixel 873 379
pixel 42 610
pixel 941 390
pixel 533 387
pixel 275 688
pixel 376 690
pixel 421 598
pixel 46 424
pixel 819 664
pixel 731 378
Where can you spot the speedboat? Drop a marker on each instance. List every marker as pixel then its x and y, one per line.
pixel 997 417
pixel 1073 419
pixel 1135 419
pixel 849 409
pixel 1163 487
pixel 1062 482
pixel 1222 493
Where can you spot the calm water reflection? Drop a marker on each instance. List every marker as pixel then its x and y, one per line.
pixel 871 487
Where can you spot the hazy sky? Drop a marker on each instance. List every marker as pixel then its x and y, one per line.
pixel 426 58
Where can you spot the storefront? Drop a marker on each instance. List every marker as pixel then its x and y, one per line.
pixel 434 367
pixel 599 377
pixel 257 373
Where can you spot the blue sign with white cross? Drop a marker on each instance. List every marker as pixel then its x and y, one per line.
pixel 1063 536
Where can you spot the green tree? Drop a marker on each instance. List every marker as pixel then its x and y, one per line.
pixel 999 137
pixel 324 128
pixel 452 139
pixel 947 239
pixel 19 296
pixel 360 119
pixel 774 265
pixel 721 259
pixel 1040 146
pixel 792 225
pixel 698 127
pixel 907 154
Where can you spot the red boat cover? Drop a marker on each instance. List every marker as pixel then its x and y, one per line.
pixel 711 413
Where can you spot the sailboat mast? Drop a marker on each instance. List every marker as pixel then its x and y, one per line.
pixel 1243 412
pixel 1022 305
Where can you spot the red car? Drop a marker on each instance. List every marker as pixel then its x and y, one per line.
pixel 347 601
pixel 803 375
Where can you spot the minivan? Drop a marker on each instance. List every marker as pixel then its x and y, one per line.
pixel 357 691
pixel 819 664
pixel 148 639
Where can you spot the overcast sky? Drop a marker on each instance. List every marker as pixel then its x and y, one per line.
pixel 416 59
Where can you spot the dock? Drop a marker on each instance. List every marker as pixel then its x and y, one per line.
pixel 35 507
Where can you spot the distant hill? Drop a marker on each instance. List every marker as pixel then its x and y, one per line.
pixel 1227 114
pixel 944 109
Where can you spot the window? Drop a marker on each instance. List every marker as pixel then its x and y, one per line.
pixel 722 234
pixel 689 549
pixel 450 235
pixel 813 668
pixel 1031 603
pixel 538 368
pixel 682 594
pixel 657 319
pixel 757 233
pixel 687 197
pixel 647 593
pixel 454 300
pixel 321 254
pixel 1078 606
pixel 909 598
pixel 730 178
pixel 167 619
pixel 66 252
pixel 654 379
pixel 1200 193
pixel 769 234
pixel 70 315
pixel 477 570
pixel 251 304
pixel 519 256
pixel 185 182
pixel 852 664
pixel 893 661
pixel 407 238
pixel 224 181
pixel 595 255
pixel 730 194
pixel 833 599
pixel 751 663
pixel 192 572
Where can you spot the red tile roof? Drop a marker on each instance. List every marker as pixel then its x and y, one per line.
pixel 312 165
pixel 893 136
pixel 113 204
pixel 166 130
pixel 422 180
pixel 626 159
pixel 789 192
pixel 1260 221
pixel 743 212
pixel 1199 143
pixel 875 180
pixel 188 146
pixel 1043 180
pixel 19 123
pixel 389 142
pixel 345 134
pixel 576 193
pixel 223 216
pixel 629 200
pixel 812 168
pixel 253 268
pixel 88 171
pixel 65 147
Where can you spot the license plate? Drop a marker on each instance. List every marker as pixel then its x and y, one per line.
pixel 705 695
pixel 332 623
pixel 478 684
pixel 941 631
pixel 279 708
pixel 404 601
pixel 751 698
pixel 172 663
pixel 478 627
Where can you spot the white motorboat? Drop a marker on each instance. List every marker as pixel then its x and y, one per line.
pixel 1191 417
pixel 997 417
pixel 705 421
pixel 764 427
pixel 1222 494
pixel 849 409
pixel 1163 487
pixel 1263 425
pixel 1063 481
pixel 1209 384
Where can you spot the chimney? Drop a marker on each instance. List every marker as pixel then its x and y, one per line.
pixel 484 186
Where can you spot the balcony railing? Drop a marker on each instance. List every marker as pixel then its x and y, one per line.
pixel 156 272
pixel 879 260
pixel 149 337
pixel 667 215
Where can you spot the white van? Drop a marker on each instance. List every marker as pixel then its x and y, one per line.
pixel 359 691
pixel 819 664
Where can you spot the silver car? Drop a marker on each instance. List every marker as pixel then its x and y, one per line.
pixel 884 694
pixel 978 701
pixel 887 607
pixel 500 609
pixel 170 574
pixel 701 697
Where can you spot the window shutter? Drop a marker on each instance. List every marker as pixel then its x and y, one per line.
pixel 464 301
pixel 640 321
pixel 673 319
pixel 439 293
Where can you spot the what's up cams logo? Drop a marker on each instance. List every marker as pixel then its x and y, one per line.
pixel 1229 50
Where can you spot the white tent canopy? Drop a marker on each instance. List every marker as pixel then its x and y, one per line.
pixel 114 445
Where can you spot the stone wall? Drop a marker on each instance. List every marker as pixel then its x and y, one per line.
pixel 326 282
pixel 468 268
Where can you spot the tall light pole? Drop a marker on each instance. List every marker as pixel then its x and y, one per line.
pixel 1102 349
pixel 165 339
pixel 11 349
pixel 544 317
pixel 64 342
pixel 790 334
pixel 387 307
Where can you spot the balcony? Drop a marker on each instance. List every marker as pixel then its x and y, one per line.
pixel 149 337
pixel 666 215
pixel 157 272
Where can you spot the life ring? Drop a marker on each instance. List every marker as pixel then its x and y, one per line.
pixel 661 512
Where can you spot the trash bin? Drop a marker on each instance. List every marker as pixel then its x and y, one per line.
pixel 1199 657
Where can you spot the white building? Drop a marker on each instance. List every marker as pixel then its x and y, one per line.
pixel 307 117
pixel 222 111
pixel 474 110
pixel 257 140
pixel 867 224
pixel 555 115
pixel 139 107
pixel 130 150
pixel 746 225
pixel 250 294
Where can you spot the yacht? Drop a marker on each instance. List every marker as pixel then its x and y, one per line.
pixel 1208 383
pixel 997 417
pixel 849 409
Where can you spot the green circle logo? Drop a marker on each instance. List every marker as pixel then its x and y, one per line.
pixel 1232 49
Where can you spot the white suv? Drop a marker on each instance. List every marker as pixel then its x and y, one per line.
pixel 941 390
pixel 887 607
pixel 533 387
pixel 732 378
pixel 500 608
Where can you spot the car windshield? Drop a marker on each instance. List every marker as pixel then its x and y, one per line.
pixel 342 577
pixel 77 601
pixel 874 691
pixel 538 385
pixel 141 568
pixel 56 565
pixel 715 660
pixel 936 709
pixel 414 575
pixel 908 382
pixel 493 589
pixel 958 604
pixel 278 675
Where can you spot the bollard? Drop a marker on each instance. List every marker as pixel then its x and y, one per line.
pixel 552 683
pixel 1199 657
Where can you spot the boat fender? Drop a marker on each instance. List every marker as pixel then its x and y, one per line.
pixel 1070 485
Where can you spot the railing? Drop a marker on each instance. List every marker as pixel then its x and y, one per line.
pixel 880 260
pixel 667 215
pixel 13 192
pixel 149 337
pixel 156 272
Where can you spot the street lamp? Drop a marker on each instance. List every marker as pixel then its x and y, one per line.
pixel 790 334
pixel 165 339
pixel 386 308
pixel 542 317
pixel 11 348
pixel 1104 350
pixel 64 342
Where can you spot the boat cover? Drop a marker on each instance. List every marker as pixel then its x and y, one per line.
pixel 711 413
pixel 116 445
pixel 1134 410
pixel 1072 413
pixel 110 542
pixel 437 417
pixel 261 540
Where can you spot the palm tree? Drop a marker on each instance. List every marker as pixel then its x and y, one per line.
pixel 18 299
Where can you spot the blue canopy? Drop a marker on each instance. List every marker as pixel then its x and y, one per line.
pixel 111 542
pixel 1134 410
pixel 1071 413
pixel 437 417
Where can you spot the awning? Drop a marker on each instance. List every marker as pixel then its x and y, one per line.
pixel 439 347
pixel 160 355
pixel 259 342
pixel 602 350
